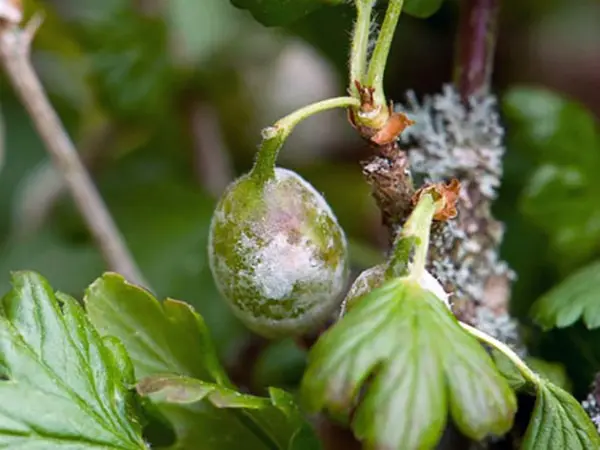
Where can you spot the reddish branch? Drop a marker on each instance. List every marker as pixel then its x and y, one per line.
pixel 475 46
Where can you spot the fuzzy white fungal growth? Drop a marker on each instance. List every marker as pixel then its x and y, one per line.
pixel 276 276
pixel 278 254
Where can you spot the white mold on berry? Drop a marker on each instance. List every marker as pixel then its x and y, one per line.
pixel 278 254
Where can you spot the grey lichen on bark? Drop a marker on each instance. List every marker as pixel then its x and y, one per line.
pixel 454 140
pixel 451 139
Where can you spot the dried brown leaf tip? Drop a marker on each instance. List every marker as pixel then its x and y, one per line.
pixel 448 193
pixel 395 125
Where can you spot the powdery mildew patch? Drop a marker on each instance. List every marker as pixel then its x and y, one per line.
pixel 276 268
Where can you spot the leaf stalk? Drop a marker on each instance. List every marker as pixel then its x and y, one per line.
pixel 382 49
pixel 360 44
pixel 527 373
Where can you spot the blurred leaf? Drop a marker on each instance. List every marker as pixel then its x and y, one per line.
pixel 165 220
pixel 54 35
pixel 23 150
pixel 554 129
pixel 560 197
pixel 559 422
pixel 65 80
pixel 508 370
pixel 338 182
pixel 2 139
pixel 577 348
pixel 334 44
pixel 421 8
pixel 180 389
pixel 576 297
pixel 397 327
pixel 563 201
pixel 66 386
pixel 281 364
pixel 552 371
pixel 200 29
pixel 166 225
pixel 363 255
pixel 60 62
pixel 278 417
pixel 69 265
pixel 281 12
pixel 128 55
pixel 169 337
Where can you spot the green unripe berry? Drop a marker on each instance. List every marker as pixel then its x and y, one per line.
pixel 278 254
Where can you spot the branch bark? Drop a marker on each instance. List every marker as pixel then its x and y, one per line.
pixel 15 44
pixel 475 46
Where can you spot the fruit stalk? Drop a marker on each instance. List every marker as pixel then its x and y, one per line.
pixel 275 136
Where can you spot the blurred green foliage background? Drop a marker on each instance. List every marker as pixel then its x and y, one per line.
pixel 165 100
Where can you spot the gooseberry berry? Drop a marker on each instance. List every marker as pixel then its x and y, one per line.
pixel 277 254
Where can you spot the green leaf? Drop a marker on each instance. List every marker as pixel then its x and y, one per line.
pixel 201 29
pixel 563 201
pixel 578 296
pixel 65 386
pixel 49 253
pixel 508 370
pixel 128 55
pixel 563 139
pixel 421 8
pixel 278 417
pixel 559 422
pixel 281 364
pixel 2 139
pixel 281 12
pixel 160 337
pixel 552 128
pixel 180 389
pixel 552 371
pixel 417 365
pixel 165 221
pixel 169 337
